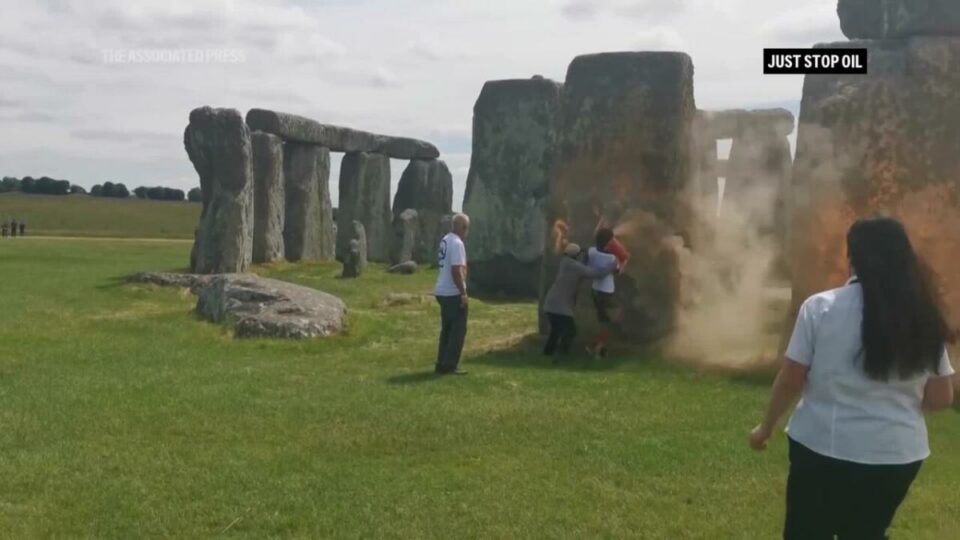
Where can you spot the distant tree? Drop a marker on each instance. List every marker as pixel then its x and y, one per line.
pixel 27 184
pixel 9 183
pixel 97 191
pixel 140 192
pixel 195 195
pixel 120 191
pixel 107 189
pixel 77 190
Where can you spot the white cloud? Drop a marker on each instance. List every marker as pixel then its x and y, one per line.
pixel 635 9
pixel 659 39
pixel 377 65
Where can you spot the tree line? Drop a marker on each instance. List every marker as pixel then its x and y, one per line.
pixel 50 186
pixel 43 185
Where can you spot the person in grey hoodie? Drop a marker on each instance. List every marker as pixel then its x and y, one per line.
pixel 559 303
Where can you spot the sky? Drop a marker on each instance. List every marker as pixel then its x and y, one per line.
pixel 74 106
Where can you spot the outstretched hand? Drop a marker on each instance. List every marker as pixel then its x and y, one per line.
pixel 759 437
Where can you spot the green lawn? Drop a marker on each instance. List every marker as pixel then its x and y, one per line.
pixel 83 215
pixel 123 416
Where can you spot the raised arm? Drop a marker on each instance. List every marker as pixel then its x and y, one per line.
pixel 592 273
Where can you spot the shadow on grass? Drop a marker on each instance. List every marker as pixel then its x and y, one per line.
pixel 527 353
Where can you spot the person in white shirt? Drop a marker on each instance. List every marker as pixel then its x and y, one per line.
pixel 451 294
pixel 868 359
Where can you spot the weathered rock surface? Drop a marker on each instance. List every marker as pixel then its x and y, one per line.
pixel 269 201
pixel 168 279
pixel 365 197
pixel 887 142
pixel 891 19
pixel 405 232
pixel 218 143
pixel 268 308
pixel 295 128
pixel 308 228
pixel 626 159
pixel 409 267
pixel 427 187
pixel 515 126
pixel 355 258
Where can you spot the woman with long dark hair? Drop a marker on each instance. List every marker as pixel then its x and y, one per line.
pixel 868 358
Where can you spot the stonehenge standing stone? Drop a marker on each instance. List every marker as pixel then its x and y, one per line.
pixel 759 168
pixel 308 227
pixel 405 232
pixel 218 143
pixel 625 159
pixel 887 142
pixel 365 197
pixel 269 202
pixel 514 136
pixel 355 257
pixel 892 19
pixel 427 187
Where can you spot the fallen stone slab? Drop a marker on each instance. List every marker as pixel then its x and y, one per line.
pixel 409 267
pixel 295 128
pixel 268 308
pixel 170 279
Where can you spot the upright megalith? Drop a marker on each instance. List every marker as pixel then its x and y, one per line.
pixel 405 233
pixel 218 143
pixel 355 257
pixel 624 160
pixel 758 171
pixel 427 187
pixel 365 197
pixel 308 227
pixel 887 142
pixel 514 136
pixel 269 201
pixel 894 19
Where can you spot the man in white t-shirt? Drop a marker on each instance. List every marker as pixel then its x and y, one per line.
pixel 451 293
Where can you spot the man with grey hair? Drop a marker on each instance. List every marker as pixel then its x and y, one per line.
pixel 451 293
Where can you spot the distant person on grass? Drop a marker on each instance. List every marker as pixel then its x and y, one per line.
pixel 561 299
pixel 451 293
pixel 23 228
pixel 3 229
pixel 13 227
pixel 606 251
pixel 868 359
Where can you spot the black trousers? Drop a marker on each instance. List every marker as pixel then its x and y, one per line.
pixel 563 330
pixel 827 497
pixel 453 331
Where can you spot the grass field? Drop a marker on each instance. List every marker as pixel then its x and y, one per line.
pixel 82 215
pixel 123 416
